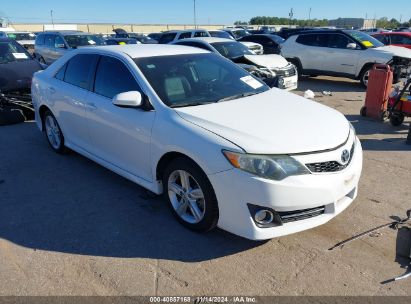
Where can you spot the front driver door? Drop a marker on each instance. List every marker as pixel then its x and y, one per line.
pixel 120 136
pixel 339 58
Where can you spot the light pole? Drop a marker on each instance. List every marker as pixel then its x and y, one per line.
pixel 195 15
pixel 291 14
pixel 52 19
pixel 309 18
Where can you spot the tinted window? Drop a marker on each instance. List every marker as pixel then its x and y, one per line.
pixel 58 41
pixel 40 39
pixel 166 38
pixel 201 34
pixel 185 35
pixel 338 41
pixel 113 77
pixel 383 39
pixel 194 44
pixel 61 72
pixel 319 40
pixel 12 51
pixel 80 69
pixel 400 39
pixel 49 41
pixel 364 39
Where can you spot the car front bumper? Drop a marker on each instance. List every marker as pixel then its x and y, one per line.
pixel 235 189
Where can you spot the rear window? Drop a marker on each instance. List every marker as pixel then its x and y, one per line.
pixel 80 69
pixel 185 35
pixel 74 41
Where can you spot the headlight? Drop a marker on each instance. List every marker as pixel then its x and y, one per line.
pixel 266 166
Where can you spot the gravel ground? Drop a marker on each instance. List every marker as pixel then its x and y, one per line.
pixel 71 227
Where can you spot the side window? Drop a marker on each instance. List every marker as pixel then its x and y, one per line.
pixel 40 39
pixel 113 77
pixel 400 39
pixel 166 38
pixel 185 35
pixel 60 74
pixel 200 34
pixel 381 38
pixel 338 41
pixel 58 42
pixel 49 41
pixel 318 40
pixel 80 70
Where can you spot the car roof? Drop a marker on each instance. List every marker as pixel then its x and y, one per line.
pixel 183 31
pixel 145 50
pixel 318 31
pixel 208 39
pixel 66 32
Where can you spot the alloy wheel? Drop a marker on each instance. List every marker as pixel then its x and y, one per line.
pixel 186 196
pixel 53 132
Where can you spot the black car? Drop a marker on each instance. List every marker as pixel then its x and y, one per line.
pixel 270 43
pixel 120 41
pixel 17 67
pixel 120 33
pixel 155 36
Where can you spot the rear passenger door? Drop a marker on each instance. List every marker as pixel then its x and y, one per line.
pixel 48 49
pixel 68 91
pixel 312 51
pixel 120 136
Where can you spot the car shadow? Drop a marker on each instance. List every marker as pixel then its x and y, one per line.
pixel 403 251
pixel 333 85
pixel 366 126
pixel 69 204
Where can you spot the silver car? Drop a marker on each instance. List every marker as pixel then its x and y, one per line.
pixel 50 46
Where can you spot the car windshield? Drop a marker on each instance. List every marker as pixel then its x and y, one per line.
pixel 21 36
pixel 74 41
pixel 220 34
pixel 12 52
pixel 238 34
pixel 232 50
pixel 365 39
pixel 277 39
pixel 196 79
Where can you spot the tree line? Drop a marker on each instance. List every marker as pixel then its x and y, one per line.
pixel 265 20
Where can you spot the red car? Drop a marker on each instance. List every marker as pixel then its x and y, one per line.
pixel 396 38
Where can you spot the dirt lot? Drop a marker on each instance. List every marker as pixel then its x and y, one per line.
pixel 71 227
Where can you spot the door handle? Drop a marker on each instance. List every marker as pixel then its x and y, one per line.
pixel 91 106
pixel 52 90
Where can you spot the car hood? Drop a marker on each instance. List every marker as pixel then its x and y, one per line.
pixel 268 61
pixel 395 51
pixel 17 75
pixel 273 122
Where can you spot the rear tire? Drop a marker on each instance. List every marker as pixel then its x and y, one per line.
pixel 190 195
pixel 397 119
pixel 53 132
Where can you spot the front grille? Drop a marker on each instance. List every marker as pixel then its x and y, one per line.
pixel 330 166
pixel 286 72
pixel 293 216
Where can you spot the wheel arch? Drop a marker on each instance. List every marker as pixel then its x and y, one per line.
pixel 364 67
pixel 43 108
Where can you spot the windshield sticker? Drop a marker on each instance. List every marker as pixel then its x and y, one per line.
pixel 252 82
pixel 122 43
pixel 367 44
pixel 91 42
pixel 20 56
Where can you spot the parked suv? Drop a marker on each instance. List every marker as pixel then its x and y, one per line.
pixel 343 53
pixel 50 46
pixel 172 36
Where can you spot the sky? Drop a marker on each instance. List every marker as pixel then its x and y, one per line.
pixel 181 11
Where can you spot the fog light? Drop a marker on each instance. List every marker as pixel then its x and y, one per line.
pixel 264 217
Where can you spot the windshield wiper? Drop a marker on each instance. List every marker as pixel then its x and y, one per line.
pixel 238 96
pixel 189 104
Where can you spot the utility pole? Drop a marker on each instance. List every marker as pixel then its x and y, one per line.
pixel 309 18
pixel 291 14
pixel 52 19
pixel 195 15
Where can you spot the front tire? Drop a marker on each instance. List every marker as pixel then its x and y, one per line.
pixel 190 195
pixel 53 132
pixel 365 75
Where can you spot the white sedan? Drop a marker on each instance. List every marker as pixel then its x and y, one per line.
pixel 224 149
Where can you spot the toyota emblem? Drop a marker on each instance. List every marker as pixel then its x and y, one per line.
pixel 345 157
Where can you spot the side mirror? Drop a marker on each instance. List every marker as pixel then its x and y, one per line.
pixel 60 46
pixel 132 99
pixel 352 46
